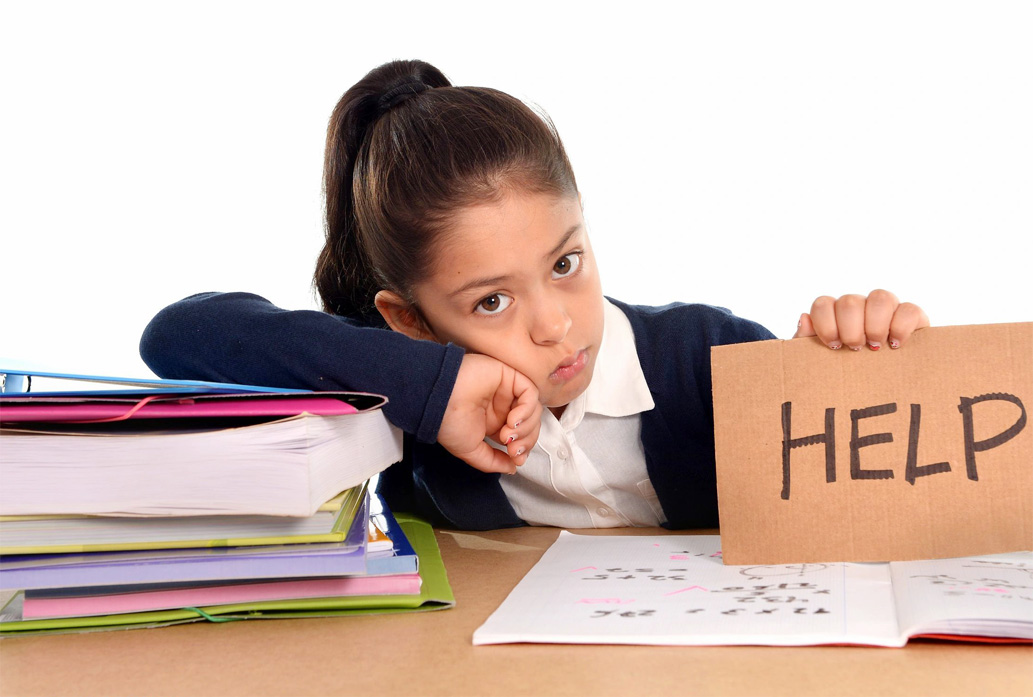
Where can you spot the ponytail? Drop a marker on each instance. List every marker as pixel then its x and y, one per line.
pixel 344 278
pixel 405 149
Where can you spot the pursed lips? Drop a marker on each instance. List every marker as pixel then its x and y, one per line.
pixel 570 367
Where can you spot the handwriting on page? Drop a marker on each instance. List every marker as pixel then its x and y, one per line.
pixel 998 587
pixel 669 589
pixel 676 590
pixel 982 578
pixel 661 583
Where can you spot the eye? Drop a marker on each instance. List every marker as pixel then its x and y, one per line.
pixel 493 304
pixel 567 265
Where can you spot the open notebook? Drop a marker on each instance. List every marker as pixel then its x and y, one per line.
pixel 675 589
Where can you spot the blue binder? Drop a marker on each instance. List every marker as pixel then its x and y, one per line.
pixel 43 383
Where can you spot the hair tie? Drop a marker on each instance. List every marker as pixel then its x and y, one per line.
pixel 399 93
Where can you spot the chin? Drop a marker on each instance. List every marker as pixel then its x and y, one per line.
pixel 565 396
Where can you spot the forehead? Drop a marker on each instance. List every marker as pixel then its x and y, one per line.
pixel 516 229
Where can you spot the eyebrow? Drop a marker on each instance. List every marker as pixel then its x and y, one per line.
pixel 563 242
pixel 499 280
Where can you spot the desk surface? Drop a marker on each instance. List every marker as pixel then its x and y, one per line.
pixel 431 654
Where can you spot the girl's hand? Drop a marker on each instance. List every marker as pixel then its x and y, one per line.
pixel 855 320
pixel 491 399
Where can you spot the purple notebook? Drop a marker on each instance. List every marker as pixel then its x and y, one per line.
pixel 178 565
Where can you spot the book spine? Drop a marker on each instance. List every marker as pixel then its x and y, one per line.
pixel 223 568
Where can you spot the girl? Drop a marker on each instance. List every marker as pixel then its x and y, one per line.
pixel 453 218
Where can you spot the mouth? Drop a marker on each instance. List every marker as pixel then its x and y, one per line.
pixel 569 368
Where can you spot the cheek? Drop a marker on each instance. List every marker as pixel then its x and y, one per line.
pixel 512 347
pixel 590 315
pixel 511 351
pixel 500 343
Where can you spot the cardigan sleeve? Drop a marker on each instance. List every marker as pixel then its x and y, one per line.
pixel 243 338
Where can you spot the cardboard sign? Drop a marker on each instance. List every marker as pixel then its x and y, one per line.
pixel 916 453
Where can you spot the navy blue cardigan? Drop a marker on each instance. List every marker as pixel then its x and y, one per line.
pixel 239 337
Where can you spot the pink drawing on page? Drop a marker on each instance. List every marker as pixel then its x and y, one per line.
pixel 690 588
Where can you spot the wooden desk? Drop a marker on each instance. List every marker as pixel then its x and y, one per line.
pixel 431 654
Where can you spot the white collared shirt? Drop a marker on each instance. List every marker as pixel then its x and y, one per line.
pixel 588 469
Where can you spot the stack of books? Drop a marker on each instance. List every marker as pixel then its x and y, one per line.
pixel 147 503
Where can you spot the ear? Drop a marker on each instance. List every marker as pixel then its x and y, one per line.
pixel 401 316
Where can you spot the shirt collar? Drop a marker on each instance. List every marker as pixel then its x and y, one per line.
pixel 618 386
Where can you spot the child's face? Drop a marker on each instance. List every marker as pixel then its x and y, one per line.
pixel 517 280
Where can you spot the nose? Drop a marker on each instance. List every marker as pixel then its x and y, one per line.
pixel 550 321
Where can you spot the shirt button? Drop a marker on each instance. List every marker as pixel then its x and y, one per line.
pixel 562 454
pixel 603 511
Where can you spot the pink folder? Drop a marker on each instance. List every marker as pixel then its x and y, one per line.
pixel 72 409
pixel 399 584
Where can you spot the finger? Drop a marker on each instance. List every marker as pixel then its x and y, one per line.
pixel 506 436
pixel 524 391
pixel 520 448
pixel 907 318
pixel 850 320
pixel 501 400
pixel 823 321
pixel 515 398
pixel 527 422
pixel 878 311
pixel 804 327
pixel 526 410
pixel 524 435
pixel 521 404
pixel 487 459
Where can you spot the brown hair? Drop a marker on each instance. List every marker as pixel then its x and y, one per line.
pixel 404 150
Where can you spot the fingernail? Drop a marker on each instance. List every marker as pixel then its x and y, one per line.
pixel 855 348
pixel 894 344
pixel 835 345
pixel 517 424
pixel 511 439
pixel 520 451
pixel 874 345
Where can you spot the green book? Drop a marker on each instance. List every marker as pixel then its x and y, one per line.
pixel 81 534
pixel 435 594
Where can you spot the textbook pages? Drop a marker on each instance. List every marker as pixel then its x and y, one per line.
pixel 675 590
pixel 279 455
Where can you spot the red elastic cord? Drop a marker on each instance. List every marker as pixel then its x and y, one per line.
pixel 121 417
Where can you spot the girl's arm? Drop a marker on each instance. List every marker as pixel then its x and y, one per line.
pixel 243 338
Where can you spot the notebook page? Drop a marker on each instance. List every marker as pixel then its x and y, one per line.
pixel 674 589
pixel 976 596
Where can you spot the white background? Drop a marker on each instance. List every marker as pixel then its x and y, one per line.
pixel 752 155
